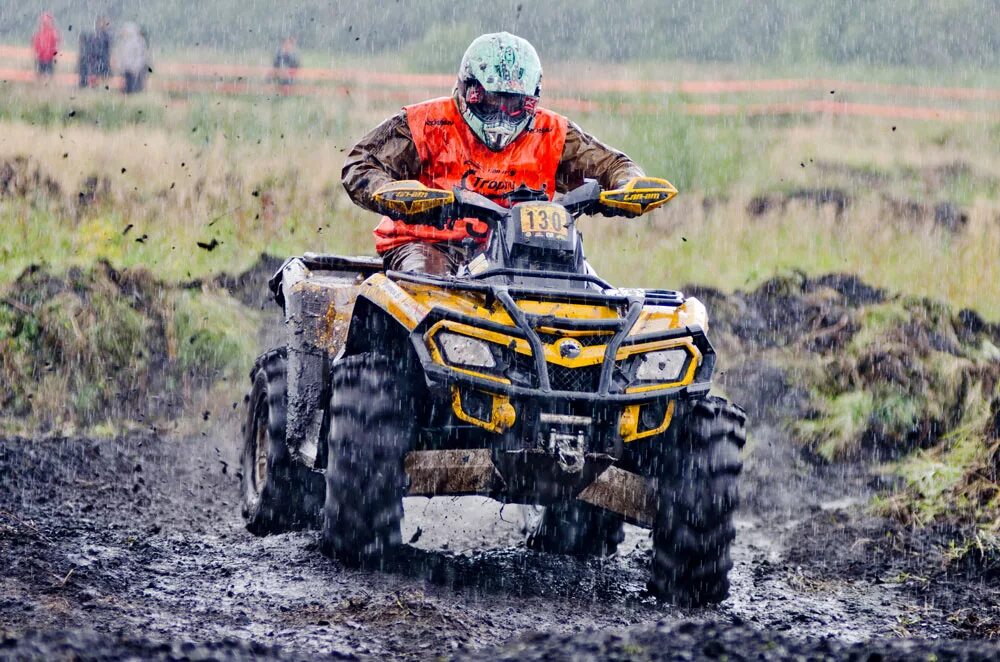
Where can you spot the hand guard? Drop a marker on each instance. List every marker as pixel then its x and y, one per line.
pixel 636 197
pixel 411 202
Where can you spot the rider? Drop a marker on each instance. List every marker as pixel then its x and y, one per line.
pixel 489 136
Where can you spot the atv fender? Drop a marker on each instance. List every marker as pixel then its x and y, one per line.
pixel 382 308
pixel 317 294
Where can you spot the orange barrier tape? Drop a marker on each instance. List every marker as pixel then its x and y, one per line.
pixel 402 97
pixel 185 69
pixel 185 78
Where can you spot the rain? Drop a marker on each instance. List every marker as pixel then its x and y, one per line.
pixel 412 329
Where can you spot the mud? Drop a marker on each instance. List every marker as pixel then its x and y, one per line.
pixel 134 548
pixel 836 199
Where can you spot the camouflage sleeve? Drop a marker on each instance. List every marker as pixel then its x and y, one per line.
pixel 386 154
pixel 584 156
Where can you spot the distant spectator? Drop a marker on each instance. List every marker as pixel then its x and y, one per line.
pixel 94 63
pixel 46 45
pixel 130 58
pixel 286 65
pixel 100 51
pixel 83 57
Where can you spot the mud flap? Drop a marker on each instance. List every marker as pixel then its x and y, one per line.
pixel 455 472
pixel 466 472
pixel 623 492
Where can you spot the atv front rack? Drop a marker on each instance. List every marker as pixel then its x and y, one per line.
pixel 527 326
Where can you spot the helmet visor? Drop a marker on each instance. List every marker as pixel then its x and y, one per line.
pixel 492 106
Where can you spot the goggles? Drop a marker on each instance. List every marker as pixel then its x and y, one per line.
pixel 489 106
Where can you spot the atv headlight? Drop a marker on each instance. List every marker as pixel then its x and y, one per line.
pixel 465 351
pixel 663 366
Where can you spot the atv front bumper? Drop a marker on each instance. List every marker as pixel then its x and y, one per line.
pixel 526 417
pixel 504 406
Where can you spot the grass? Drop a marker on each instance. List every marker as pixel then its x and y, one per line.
pixel 263 175
pixel 95 347
pixel 956 481
pixel 724 248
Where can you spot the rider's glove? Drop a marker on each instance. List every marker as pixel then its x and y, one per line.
pixel 636 196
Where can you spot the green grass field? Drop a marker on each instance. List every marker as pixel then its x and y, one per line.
pixel 257 175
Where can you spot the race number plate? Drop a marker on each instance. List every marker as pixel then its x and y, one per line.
pixel 544 220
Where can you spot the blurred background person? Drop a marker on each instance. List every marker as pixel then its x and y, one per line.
pixel 45 43
pixel 83 57
pixel 286 66
pixel 99 52
pixel 130 58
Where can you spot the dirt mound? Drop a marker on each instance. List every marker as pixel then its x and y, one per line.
pixel 95 190
pixel 250 286
pixel 835 198
pixel 859 374
pixel 945 215
pixel 23 177
pixel 101 344
pixel 913 362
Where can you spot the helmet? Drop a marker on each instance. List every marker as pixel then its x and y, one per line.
pixel 499 82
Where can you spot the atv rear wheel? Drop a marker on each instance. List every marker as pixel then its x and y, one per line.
pixel 698 465
pixel 578 529
pixel 277 493
pixel 371 430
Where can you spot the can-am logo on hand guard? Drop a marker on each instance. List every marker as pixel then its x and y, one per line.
pixel 569 348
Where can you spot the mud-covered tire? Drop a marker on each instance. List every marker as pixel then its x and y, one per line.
pixel 276 493
pixel 697 493
pixel 371 430
pixel 578 529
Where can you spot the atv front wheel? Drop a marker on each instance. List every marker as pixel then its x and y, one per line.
pixel 698 464
pixel 578 529
pixel 371 430
pixel 277 493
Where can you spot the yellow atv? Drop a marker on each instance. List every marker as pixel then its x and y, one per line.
pixel 525 377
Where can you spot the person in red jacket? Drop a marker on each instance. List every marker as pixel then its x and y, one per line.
pixel 46 45
pixel 490 136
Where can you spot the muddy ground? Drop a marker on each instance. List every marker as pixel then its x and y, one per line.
pixel 134 548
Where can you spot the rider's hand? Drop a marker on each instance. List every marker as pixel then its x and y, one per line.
pixel 411 202
pixel 615 210
pixel 636 196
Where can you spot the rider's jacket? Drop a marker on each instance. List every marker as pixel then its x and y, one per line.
pixel 450 154
pixel 431 142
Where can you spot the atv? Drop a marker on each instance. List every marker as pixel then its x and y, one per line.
pixel 525 377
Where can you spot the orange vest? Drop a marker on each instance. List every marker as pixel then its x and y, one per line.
pixel 449 152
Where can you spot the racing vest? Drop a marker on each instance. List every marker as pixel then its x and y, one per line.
pixel 449 152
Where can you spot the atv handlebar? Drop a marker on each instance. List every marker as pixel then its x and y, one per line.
pixel 413 202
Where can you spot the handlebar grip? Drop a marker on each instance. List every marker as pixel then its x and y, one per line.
pixel 638 196
pixel 410 200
